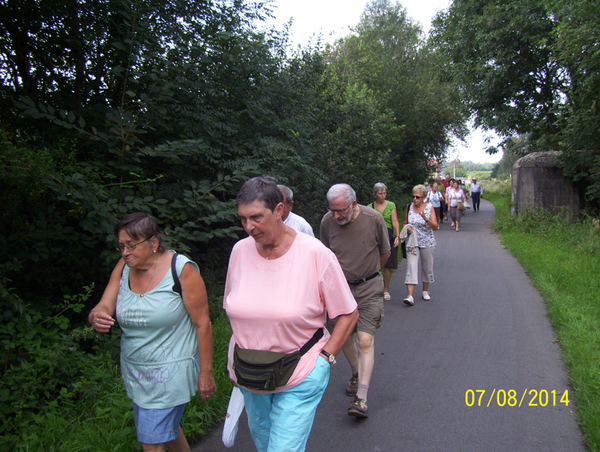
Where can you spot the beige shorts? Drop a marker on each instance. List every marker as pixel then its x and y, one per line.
pixel 369 298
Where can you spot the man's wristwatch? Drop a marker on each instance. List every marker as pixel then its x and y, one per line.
pixel 330 356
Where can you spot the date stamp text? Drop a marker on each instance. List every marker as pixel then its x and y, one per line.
pixel 512 398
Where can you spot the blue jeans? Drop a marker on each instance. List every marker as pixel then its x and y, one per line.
pixel 282 421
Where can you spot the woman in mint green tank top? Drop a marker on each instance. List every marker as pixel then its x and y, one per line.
pixel 166 345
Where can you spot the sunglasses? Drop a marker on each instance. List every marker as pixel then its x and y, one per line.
pixel 417 197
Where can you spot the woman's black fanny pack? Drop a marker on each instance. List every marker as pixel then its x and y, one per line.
pixel 266 371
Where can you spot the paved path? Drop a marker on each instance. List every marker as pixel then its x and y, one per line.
pixel 485 328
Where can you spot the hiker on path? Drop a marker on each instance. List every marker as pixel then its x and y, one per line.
pixel 390 215
pixel 447 182
pixel 435 198
pixel 443 206
pixel 280 286
pixel 290 218
pixel 419 223
pixel 358 236
pixel 165 332
pixel 476 191
pixel 455 197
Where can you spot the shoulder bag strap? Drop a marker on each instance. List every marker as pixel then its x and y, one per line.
pixel 177 284
pixel 312 341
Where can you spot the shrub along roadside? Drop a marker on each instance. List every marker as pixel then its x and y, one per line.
pixel 68 395
pixel 562 259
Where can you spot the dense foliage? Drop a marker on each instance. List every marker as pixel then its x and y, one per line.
pixel 530 69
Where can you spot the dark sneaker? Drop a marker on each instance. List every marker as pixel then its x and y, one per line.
pixel 358 408
pixel 352 387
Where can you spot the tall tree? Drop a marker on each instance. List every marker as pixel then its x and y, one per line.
pixel 130 138
pixel 530 68
pixel 577 35
pixel 501 54
pixel 389 55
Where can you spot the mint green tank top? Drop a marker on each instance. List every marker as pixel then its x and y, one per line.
pixel 160 363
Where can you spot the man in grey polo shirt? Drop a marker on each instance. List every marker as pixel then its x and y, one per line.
pixel 358 237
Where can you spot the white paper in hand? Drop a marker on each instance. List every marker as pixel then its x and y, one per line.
pixel 232 419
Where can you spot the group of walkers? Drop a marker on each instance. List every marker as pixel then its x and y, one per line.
pixel 293 301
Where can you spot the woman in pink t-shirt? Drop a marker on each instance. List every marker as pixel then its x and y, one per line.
pixel 280 285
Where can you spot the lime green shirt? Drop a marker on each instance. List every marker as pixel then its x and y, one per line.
pixel 387 213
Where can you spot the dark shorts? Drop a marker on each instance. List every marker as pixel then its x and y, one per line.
pixel 392 261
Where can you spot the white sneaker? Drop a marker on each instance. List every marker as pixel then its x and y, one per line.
pixel 426 295
pixel 409 300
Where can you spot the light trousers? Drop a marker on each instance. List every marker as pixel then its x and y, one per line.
pixel 412 265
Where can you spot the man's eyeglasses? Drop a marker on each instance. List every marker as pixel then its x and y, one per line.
pixel 417 197
pixel 339 211
pixel 121 247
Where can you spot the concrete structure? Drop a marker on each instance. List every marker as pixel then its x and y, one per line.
pixel 538 181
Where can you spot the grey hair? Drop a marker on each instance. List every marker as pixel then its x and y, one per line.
pixel 422 189
pixel 289 194
pixel 344 190
pixel 378 186
pixel 261 188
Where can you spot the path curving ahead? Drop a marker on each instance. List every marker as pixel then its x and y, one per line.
pixel 485 328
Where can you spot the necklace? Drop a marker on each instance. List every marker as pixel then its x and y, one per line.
pixel 151 278
pixel 276 246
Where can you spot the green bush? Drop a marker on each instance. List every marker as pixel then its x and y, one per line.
pixel 496 186
pixel 62 388
pixel 480 175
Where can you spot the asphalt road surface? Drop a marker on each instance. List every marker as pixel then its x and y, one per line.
pixel 485 329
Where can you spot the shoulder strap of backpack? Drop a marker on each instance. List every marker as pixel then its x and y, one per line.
pixel 177 284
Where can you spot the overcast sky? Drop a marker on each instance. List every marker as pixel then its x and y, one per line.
pixel 334 18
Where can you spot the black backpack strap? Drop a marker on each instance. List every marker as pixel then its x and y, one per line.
pixel 312 341
pixel 177 284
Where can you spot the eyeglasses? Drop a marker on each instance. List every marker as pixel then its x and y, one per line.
pixel 121 247
pixel 417 197
pixel 339 211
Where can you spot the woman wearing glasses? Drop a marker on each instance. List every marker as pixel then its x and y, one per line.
pixel 167 343
pixel 419 223
pixel 280 286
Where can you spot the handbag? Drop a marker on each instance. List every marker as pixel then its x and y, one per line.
pixel 266 371
pixel 461 206
pixel 232 420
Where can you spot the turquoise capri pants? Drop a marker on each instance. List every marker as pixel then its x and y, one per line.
pixel 282 421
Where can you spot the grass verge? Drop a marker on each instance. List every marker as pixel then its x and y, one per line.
pixel 563 261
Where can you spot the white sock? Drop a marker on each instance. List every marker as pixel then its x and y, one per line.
pixel 362 392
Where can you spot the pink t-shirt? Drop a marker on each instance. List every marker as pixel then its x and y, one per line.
pixel 277 305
